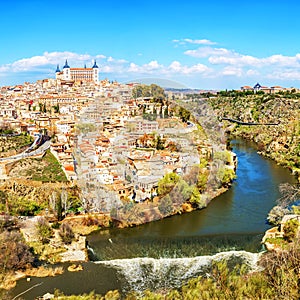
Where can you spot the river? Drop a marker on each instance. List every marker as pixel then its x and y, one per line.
pixel 170 251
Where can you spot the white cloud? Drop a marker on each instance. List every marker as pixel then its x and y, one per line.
pixel 199 42
pixel 191 41
pixel 114 60
pixel 210 64
pixel 48 59
pixel 252 72
pixel 285 75
pixel 222 56
pixel 176 67
pixel 153 65
pixel 208 51
pixel 134 68
pixel 232 71
pixel 100 56
pixel 149 68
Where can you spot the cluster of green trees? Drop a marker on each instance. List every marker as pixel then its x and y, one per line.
pixel 174 190
pixel 152 116
pixel 184 114
pixel 154 91
pixel 45 231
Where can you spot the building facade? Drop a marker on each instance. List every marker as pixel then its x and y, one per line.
pixel 78 74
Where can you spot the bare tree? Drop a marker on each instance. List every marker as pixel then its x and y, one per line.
pixel 290 194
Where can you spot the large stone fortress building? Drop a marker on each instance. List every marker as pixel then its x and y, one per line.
pixel 78 74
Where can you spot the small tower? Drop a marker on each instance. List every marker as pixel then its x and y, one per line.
pixel 57 72
pixel 66 71
pixel 256 88
pixel 95 72
pixel 66 65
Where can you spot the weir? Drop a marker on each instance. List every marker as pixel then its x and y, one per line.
pixel 138 274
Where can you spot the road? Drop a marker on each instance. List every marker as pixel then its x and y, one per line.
pixel 25 154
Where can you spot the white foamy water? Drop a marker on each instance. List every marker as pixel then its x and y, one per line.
pixel 138 274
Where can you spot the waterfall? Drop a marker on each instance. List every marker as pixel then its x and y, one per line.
pixel 139 274
pixel 91 252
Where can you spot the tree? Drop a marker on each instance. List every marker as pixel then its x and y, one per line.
pixel 276 214
pixel 59 210
pixel 184 114
pixel 225 175
pixel 159 143
pixel 14 253
pixel 4 201
pixel 166 112
pixel 290 230
pixel 44 230
pixel 157 93
pixel 290 193
pixel 137 92
pixel 167 183
pixel 195 199
pixel 165 205
pixel 56 108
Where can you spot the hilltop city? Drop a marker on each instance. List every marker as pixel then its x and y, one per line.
pixel 116 141
pixel 115 144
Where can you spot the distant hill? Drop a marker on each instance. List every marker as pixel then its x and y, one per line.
pixel 165 83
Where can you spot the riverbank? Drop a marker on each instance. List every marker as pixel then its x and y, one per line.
pixel 273 151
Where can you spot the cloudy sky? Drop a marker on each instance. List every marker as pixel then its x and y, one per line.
pixel 200 44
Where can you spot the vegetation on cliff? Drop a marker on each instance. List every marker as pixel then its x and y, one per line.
pixel 279 142
pixel 45 169
pixel 29 198
pixel 12 143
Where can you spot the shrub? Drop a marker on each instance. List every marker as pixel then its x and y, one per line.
pixel 290 229
pixel 90 221
pixel 66 233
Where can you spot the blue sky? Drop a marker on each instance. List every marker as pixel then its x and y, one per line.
pixel 201 44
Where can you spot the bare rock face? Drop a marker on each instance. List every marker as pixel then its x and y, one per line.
pixel 76 251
